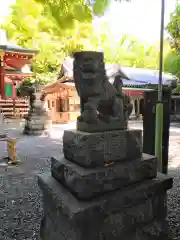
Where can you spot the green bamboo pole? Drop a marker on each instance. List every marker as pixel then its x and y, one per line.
pixel 159 135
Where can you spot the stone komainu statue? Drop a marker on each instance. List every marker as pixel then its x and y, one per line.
pixel 128 106
pixel 100 100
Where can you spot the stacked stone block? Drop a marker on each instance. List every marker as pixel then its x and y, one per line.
pixel 104 188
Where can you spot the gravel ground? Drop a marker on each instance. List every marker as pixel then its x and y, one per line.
pixel 20 198
pixel 174 193
pixel 174 205
pixel 174 171
pixel 20 207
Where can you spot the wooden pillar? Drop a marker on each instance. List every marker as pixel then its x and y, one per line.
pixel 67 105
pixel 133 103
pixel 67 100
pixel 2 76
pixel 138 108
pixel 13 98
pixel 13 89
pixel 175 108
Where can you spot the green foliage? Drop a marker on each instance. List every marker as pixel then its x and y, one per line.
pixel 40 79
pixel 127 51
pixel 59 27
pixel 173 26
pixel 66 12
pixel 172 63
pixel 32 26
pixel 100 6
pixel 177 90
pixel 172 60
pixel 45 78
pixel 27 26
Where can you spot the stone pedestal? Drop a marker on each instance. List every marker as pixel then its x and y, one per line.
pixel 87 183
pixel 104 188
pixel 97 149
pixel 2 127
pixel 37 119
pixel 35 124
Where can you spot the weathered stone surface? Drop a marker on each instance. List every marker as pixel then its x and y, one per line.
pixel 101 126
pixel 35 125
pixel 112 216
pixel 97 149
pixel 101 103
pixel 34 132
pixel 36 121
pixel 87 183
pixel 110 202
pixel 119 224
pixel 155 230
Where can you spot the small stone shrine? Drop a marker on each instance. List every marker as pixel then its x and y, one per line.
pixel 36 121
pixel 103 187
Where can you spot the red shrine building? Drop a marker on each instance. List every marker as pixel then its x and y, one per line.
pixel 15 65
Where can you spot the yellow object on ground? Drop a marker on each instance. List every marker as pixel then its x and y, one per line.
pixel 11 147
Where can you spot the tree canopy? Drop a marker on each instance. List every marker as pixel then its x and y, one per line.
pixel 173 27
pixel 59 27
pixel 56 28
pixel 29 25
pixel 66 12
pixel 172 60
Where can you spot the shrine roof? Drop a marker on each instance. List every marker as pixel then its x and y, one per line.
pixel 56 87
pixel 130 75
pixel 111 69
pixel 137 89
pixel 149 76
pixel 17 72
pixel 17 49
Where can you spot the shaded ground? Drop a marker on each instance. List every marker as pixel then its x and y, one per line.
pixel 20 198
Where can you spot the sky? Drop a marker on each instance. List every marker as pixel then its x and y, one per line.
pixel 4 8
pixel 140 18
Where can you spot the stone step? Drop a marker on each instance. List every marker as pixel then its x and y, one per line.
pixel 119 224
pixel 113 216
pixel 155 230
pixel 87 183
pixel 97 149
pixel 110 202
pixel 102 126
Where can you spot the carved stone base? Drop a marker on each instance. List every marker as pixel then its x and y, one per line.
pixel 3 135
pixel 33 132
pixel 87 183
pixel 102 126
pixel 35 124
pixel 34 129
pixel 131 213
pixel 97 149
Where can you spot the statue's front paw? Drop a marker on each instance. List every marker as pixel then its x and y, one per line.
pixel 130 109
pixel 90 116
pixel 80 118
